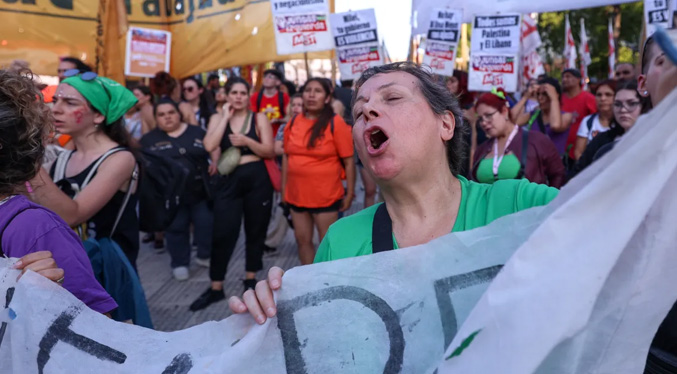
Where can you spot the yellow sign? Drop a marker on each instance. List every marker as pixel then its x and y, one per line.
pixel 206 34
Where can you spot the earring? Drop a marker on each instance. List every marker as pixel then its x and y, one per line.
pixel 646 92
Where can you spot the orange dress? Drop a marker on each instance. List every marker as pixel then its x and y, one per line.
pixel 314 175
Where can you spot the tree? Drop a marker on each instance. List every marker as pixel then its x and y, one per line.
pixel 551 28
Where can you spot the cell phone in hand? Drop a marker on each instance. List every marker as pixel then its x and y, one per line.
pixel 667 41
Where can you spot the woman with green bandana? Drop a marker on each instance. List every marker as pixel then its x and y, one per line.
pixel 93 187
pixel 408 132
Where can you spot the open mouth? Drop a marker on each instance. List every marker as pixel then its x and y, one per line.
pixel 377 138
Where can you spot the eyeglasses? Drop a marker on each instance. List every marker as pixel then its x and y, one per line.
pixel 628 105
pixel 188 89
pixel 488 116
pixel 86 76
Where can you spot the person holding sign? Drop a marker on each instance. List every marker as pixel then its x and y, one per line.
pixel 244 192
pixel 512 152
pixel 408 132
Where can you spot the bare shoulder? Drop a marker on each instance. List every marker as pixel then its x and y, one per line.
pixel 119 162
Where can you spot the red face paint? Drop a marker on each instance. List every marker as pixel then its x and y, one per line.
pixel 78 114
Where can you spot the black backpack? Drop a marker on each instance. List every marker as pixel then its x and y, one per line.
pixel 163 182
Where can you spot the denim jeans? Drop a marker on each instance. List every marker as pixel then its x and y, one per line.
pixel 177 234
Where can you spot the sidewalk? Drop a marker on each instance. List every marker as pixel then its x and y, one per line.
pixel 169 299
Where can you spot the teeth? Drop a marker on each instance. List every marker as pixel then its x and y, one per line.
pixel 375 132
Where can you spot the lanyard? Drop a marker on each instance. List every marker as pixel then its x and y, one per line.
pixel 497 159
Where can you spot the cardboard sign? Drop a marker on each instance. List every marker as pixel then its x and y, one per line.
pixel 443 35
pixel 496 34
pixel 492 70
pixel 148 51
pixel 356 40
pixel 301 26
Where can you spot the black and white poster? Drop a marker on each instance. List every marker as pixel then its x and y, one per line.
pixel 496 34
pixel 442 39
pixel 356 39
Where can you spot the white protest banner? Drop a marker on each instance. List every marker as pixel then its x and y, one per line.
pixel 392 312
pixel 492 70
pixel 496 34
pixel 589 303
pixel 148 51
pixel 301 26
pixel 656 13
pixel 356 38
pixel 443 34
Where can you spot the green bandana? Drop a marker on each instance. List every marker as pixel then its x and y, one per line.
pixel 107 96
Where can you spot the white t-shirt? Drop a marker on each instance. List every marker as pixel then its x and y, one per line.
pixel 596 128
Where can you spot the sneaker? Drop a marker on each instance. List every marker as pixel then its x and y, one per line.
pixel 204 262
pixel 208 297
pixel 180 273
pixel 148 238
pixel 249 283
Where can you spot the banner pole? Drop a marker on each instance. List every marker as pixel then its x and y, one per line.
pixel 305 60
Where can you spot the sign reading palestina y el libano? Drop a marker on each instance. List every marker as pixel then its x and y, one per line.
pixel 206 34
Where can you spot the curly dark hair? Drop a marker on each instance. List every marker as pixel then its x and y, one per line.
pixel 439 99
pixel 25 121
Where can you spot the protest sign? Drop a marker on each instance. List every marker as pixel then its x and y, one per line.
pixel 591 302
pixel 443 35
pixel 496 34
pixel 492 70
pixel 657 13
pixel 301 26
pixel 148 51
pixel 356 40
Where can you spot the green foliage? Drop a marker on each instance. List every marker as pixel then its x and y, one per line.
pixel 551 28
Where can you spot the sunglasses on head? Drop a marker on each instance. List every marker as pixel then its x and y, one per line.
pixel 87 77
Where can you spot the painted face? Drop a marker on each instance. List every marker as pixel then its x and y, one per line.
pixel 452 85
pixel 220 96
pixel 396 132
pixel 143 99
pixel 604 97
pixel 493 121
pixel 297 105
pixel 190 90
pixel 660 78
pixel 72 113
pixel 238 97
pixel 64 66
pixel 167 117
pixel 314 97
pixel 627 108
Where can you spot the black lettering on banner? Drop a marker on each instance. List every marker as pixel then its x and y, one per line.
pixel 292 347
pixel 181 364
pixel 445 286
pixel 443 35
pixel 8 299
pixel 63 4
pixel 60 331
pixel 357 38
pixel 658 16
pixel 496 21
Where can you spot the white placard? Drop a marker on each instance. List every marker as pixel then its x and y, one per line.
pixel 301 26
pixel 656 13
pixel 356 40
pixel 440 57
pixel 496 34
pixel 492 70
pixel 445 25
pixel 147 51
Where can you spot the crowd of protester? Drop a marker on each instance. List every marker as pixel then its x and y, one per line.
pixel 233 155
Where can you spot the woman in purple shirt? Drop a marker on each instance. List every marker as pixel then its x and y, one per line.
pixel 27 229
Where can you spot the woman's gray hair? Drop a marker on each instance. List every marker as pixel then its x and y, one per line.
pixel 440 101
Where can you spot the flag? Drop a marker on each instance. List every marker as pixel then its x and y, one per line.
pixel 532 66
pixel 569 46
pixel 530 37
pixel 112 28
pixel 585 53
pixel 612 51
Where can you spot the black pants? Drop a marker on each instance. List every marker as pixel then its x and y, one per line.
pixel 247 191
